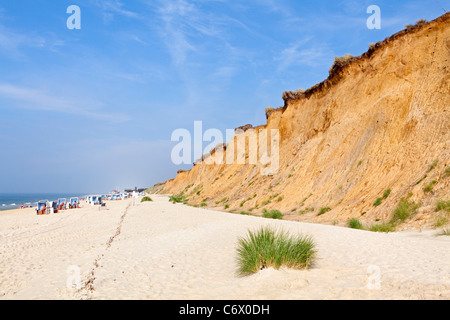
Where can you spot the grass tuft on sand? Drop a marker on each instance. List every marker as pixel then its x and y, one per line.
pixel 146 198
pixel 355 224
pixel 267 248
pixel 444 232
pixel 179 198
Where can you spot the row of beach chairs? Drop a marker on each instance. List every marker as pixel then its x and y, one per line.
pixel 47 207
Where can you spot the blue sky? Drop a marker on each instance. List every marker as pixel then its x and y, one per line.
pixel 93 109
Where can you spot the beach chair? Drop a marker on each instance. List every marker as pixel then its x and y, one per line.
pixel 96 200
pixel 73 203
pixel 53 206
pixel 62 204
pixel 41 207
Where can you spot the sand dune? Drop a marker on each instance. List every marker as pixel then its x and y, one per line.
pixel 160 250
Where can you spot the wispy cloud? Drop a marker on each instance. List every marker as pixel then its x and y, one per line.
pixel 12 42
pixel 17 45
pixel 277 7
pixel 191 27
pixel 180 21
pixel 138 39
pixel 302 53
pixel 197 41
pixel 111 8
pixel 36 99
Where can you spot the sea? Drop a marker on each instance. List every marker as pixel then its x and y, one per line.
pixel 10 201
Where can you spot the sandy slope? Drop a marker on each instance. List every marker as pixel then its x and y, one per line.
pixel 159 250
pixel 380 123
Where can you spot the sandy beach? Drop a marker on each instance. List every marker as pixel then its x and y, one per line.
pixel 160 250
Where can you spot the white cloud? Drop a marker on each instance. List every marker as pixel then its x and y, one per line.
pixel 225 72
pixel 276 6
pixel 16 45
pixel 187 28
pixel 111 8
pixel 35 99
pixel 302 54
pixel 11 42
pixel 180 20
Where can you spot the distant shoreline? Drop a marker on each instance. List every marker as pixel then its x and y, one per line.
pixel 12 201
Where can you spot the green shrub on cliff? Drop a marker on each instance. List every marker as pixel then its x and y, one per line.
pixel 272 214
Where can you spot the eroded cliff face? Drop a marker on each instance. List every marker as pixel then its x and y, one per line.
pixel 379 123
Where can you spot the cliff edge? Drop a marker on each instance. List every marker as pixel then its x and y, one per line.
pixel 371 138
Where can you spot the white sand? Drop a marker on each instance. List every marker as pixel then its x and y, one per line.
pixel 158 250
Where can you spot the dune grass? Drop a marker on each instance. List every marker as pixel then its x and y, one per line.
pixel 383 227
pixel 386 194
pixel 355 224
pixel 343 59
pixel 433 165
pixel 404 210
pixel 146 198
pixel 423 178
pixel 447 172
pixel 418 22
pixel 429 187
pixel 378 202
pixel 269 111
pixel 440 221
pixel 224 200
pixel 444 232
pixel 177 198
pixel 323 210
pixel 443 205
pixel 272 214
pixel 267 248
